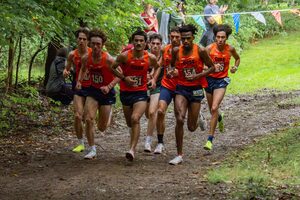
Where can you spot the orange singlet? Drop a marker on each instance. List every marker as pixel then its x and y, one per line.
pixel 100 73
pixel 169 83
pixel 137 69
pixel 86 82
pixel 187 65
pixel 223 58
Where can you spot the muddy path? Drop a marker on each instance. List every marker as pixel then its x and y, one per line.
pixel 41 166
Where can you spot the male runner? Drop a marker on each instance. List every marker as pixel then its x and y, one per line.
pixel 191 79
pixel 220 53
pixel 74 60
pixel 168 86
pixel 133 88
pixel 155 48
pixel 101 94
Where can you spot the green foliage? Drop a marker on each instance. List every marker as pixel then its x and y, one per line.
pixel 273 161
pixel 23 110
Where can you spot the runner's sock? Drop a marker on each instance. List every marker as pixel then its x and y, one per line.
pixel 149 139
pixel 93 148
pixel 160 138
pixel 210 138
pixel 81 141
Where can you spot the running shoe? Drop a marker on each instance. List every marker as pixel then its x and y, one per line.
pixel 202 122
pixel 221 123
pixel 91 155
pixel 159 148
pixel 208 146
pixel 177 160
pixel 147 147
pixel 79 148
pixel 130 155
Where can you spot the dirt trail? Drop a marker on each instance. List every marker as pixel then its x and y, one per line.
pixel 41 166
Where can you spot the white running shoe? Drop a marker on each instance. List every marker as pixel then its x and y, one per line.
pixel 129 155
pixel 177 160
pixel 159 148
pixel 202 122
pixel 91 155
pixel 147 147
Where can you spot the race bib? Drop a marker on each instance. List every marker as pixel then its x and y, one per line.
pixel 227 80
pixel 221 67
pixel 188 72
pixel 198 93
pixel 97 78
pixel 137 80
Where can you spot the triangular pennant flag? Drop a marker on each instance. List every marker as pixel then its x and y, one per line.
pixel 259 17
pixel 198 19
pixel 277 16
pixel 236 20
pixel 218 18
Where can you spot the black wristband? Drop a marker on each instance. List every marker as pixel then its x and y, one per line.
pixel 123 78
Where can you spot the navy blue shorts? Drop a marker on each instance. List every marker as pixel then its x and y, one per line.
pixel 103 99
pixel 130 98
pixel 191 93
pixel 216 83
pixel 83 92
pixel 166 95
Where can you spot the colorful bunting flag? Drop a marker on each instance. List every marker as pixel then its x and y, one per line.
pixel 277 16
pixel 295 11
pixel 259 17
pixel 198 19
pixel 218 18
pixel 236 20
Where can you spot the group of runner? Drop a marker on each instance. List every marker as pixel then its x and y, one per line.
pixel 149 80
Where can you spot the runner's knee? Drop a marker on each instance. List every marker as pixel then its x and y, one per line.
pixel 214 109
pixel 161 113
pixel 135 119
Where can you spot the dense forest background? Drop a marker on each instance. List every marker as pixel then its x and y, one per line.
pixel 32 30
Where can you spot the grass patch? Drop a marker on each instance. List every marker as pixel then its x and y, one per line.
pixel 290 102
pixel 272 63
pixel 272 162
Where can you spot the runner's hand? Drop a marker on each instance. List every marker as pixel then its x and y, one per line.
pixel 129 81
pixel 105 89
pixel 233 69
pixel 173 72
pixel 66 73
pixel 78 86
pixel 151 84
pixel 217 67
pixel 191 77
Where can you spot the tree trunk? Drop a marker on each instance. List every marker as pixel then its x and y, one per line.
pixel 10 63
pixel 32 60
pixel 52 50
pixel 18 62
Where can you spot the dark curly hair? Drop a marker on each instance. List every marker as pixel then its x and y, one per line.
pixel 222 27
pixel 139 32
pixel 98 33
pixel 83 30
pixel 188 28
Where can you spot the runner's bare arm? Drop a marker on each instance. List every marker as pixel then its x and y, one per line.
pixel 121 59
pixel 207 61
pixel 237 59
pixel 153 63
pixel 116 80
pixel 67 69
pixel 82 71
